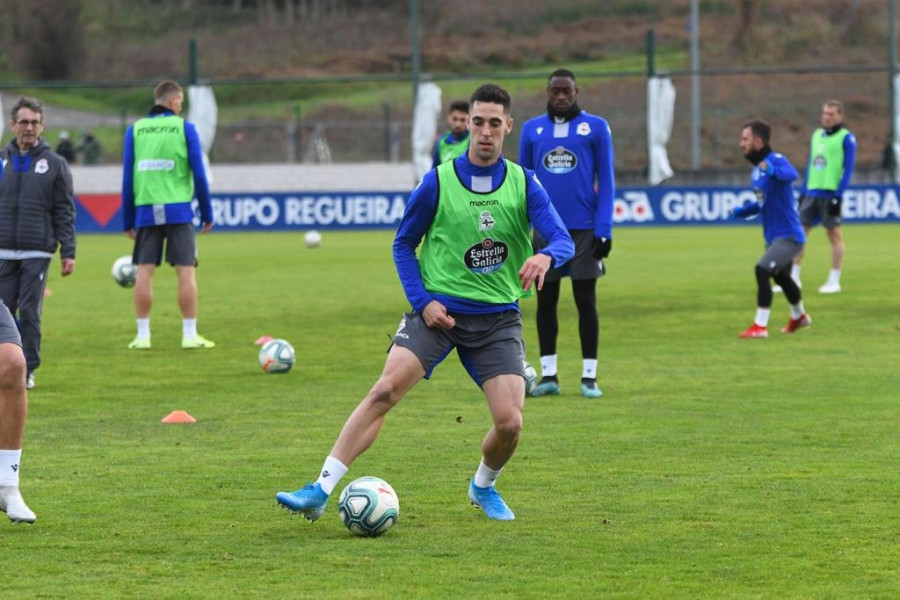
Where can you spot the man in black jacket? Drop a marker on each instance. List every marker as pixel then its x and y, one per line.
pixel 37 217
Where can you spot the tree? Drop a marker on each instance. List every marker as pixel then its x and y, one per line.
pixel 47 37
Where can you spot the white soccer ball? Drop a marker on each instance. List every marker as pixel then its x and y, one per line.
pixel 276 356
pixel 531 378
pixel 124 271
pixel 312 239
pixel 369 506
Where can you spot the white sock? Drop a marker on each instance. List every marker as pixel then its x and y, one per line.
pixel 762 317
pixel 143 326
pixel 548 365
pixel 486 476
pixel 332 472
pixel 189 328
pixel 797 310
pixel 589 368
pixel 9 467
pixel 834 276
pixel 795 272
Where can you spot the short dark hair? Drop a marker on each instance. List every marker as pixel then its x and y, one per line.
pixel 460 105
pixel 836 104
pixel 492 93
pixel 165 89
pixel 562 73
pixel 27 102
pixel 759 128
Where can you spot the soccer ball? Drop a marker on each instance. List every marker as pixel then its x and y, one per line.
pixel 531 378
pixel 276 356
pixel 312 239
pixel 369 506
pixel 124 271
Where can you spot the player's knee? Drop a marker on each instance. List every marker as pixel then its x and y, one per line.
pixel 509 426
pixel 12 367
pixel 385 394
pixel 762 274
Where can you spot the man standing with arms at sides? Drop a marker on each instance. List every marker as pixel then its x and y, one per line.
pixel 37 216
pixel 163 170
pixel 13 408
pixel 571 153
pixel 475 263
pixel 832 157
pixel 456 141
pixel 772 180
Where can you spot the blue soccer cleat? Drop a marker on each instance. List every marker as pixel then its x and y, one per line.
pixel 548 386
pixel 490 502
pixel 309 501
pixel 590 389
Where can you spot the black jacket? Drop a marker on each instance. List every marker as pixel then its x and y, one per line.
pixel 37 201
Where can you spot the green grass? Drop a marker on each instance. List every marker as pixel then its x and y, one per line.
pixel 712 466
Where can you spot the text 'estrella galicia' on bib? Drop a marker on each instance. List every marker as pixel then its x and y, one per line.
pixel 486 256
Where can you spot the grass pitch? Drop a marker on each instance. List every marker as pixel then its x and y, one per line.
pixel 711 467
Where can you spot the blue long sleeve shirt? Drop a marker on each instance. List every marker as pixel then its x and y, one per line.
pixel 775 200
pixel 849 165
pixel 420 213
pixel 570 158
pixel 182 212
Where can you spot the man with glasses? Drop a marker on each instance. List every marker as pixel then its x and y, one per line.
pixel 37 218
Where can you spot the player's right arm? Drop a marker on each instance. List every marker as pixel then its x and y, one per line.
pixel 128 182
pixel 417 218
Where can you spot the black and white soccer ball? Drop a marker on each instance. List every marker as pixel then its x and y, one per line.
pixel 531 378
pixel 312 239
pixel 124 271
pixel 276 356
pixel 369 506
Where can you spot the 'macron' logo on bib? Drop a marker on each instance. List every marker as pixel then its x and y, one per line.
pixel 486 256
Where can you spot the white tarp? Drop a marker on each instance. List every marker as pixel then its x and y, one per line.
pixel 424 127
pixel 660 118
pixel 203 112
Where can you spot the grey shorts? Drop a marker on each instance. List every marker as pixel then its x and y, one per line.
pixel 180 241
pixel 9 333
pixel 582 265
pixel 815 210
pixel 779 255
pixel 487 345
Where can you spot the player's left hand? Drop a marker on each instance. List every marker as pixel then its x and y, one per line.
pixel 533 271
pixel 68 266
pixel 602 247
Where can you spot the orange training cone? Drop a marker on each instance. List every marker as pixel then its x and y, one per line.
pixel 262 341
pixel 179 416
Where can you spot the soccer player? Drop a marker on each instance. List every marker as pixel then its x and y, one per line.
pixel 163 170
pixel 832 157
pixel 772 177
pixel 13 408
pixel 571 152
pixel 456 141
pixel 475 263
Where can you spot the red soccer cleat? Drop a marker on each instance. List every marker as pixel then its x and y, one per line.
pixel 793 325
pixel 755 331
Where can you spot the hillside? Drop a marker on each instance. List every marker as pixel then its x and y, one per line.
pixel 121 41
